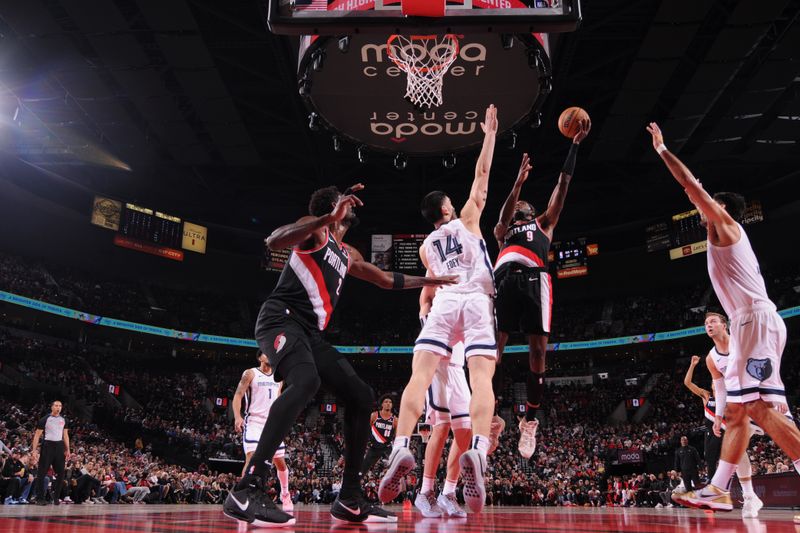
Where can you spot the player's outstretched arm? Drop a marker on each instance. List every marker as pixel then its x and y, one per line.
pixel 714 212
pixel 507 212
pixel 241 389
pixel 363 270
pixel 688 380
pixel 471 213
pixel 308 228
pixel 548 220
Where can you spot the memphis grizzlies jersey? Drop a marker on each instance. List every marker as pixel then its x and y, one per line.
pixel 260 396
pixel 453 250
pixel 720 360
pixel 736 275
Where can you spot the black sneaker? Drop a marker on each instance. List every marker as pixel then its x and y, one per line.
pixel 359 510
pixel 252 506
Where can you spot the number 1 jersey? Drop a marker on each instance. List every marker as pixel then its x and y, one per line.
pixel 453 250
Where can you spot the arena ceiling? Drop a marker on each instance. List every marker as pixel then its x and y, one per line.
pixel 199 102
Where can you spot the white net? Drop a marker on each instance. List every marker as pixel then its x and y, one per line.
pixel 425 59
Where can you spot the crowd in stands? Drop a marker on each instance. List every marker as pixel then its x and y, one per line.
pixel 166 401
pixel 209 312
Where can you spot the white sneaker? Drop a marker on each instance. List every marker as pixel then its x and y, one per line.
pixel 401 461
pixel 752 505
pixel 659 506
pixel 527 437
pixel 286 503
pixel 473 465
pixel 449 504
pixel 426 503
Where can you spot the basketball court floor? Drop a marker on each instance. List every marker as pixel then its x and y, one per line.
pixel 314 519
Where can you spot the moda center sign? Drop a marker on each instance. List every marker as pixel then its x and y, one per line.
pixel 359 93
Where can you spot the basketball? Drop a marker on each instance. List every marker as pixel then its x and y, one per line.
pixel 568 121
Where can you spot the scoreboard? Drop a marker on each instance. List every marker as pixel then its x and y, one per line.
pixel 398 252
pixel 570 258
pixel 149 231
pixel 684 235
pixel 150 226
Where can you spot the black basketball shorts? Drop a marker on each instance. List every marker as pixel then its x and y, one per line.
pixel 524 301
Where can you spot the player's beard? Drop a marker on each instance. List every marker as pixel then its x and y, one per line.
pixel 352 221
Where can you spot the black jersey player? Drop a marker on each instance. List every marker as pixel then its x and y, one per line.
pixel 289 331
pixel 383 424
pixel 524 289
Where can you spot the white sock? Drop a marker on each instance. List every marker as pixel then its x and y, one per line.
pixel 427 484
pixel 747 487
pixel 400 442
pixel 797 465
pixel 283 477
pixel 449 486
pixel 723 475
pixel 480 443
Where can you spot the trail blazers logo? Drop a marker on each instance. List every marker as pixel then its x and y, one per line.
pixel 280 342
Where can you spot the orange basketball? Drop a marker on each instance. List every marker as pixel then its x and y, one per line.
pixel 568 121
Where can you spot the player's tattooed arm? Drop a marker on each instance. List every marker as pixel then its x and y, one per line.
pixel 241 389
pixel 307 232
pixel 507 212
pixel 363 270
pixel 688 381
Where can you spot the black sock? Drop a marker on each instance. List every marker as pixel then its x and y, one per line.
pixel 299 386
pixel 535 394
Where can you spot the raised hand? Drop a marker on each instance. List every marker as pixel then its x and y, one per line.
pixel 524 168
pixel 658 137
pixel 695 360
pixel 354 188
pixel 584 126
pixel 489 124
pixel 343 206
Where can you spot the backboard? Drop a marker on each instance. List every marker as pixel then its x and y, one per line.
pixel 349 17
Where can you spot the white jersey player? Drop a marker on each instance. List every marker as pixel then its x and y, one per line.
pixel 259 390
pixel 462 312
pixel 752 384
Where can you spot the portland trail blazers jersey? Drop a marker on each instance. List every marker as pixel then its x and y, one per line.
pixel 260 396
pixel 311 282
pixel 525 245
pixel 382 430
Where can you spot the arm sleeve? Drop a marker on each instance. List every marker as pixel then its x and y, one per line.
pixel 721 395
pixel 41 423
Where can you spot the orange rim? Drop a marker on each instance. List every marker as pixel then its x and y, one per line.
pixel 421 70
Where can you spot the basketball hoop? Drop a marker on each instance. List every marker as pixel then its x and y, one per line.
pixel 425 59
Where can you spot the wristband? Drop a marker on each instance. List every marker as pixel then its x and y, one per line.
pixel 399 281
pixel 661 148
pixel 569 164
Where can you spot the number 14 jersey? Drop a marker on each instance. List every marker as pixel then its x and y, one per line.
pixel 453 250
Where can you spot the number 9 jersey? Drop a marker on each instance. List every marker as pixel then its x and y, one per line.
pixel 454 250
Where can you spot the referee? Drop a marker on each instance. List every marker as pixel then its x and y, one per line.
pixel 55 451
